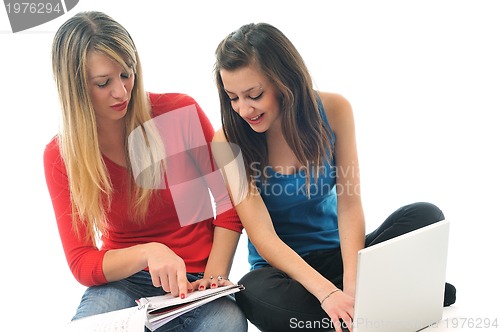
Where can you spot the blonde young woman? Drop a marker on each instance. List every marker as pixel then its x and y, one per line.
pixel 116 173
pixel 299 198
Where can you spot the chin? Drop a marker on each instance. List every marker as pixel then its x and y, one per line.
pixel 259 129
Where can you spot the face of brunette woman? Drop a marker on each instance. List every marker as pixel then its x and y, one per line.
pixel 253 97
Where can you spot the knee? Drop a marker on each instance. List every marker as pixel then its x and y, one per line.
pixel 261 283
pixel 426 212
pixel 262 287
pixel 102 299
pixel 251 282
pixel 234 318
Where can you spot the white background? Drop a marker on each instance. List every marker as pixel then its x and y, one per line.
pixel 423 78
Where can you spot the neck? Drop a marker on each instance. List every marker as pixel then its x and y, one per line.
pixel 112 140
pixel 280 155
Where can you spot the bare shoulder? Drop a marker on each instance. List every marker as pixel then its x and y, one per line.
pixel 337 108
pixel 221 150
pixel 219 136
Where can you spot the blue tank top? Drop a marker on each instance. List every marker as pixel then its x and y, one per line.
pixel 304 223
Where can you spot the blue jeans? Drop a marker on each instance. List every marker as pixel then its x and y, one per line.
pixel 221 314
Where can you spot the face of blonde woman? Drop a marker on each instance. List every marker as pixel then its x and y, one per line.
pixel 110 87
pixel 253 97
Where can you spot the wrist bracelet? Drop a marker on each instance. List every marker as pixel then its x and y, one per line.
pixel 335 291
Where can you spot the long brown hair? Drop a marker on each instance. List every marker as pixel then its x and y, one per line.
pixel 277 58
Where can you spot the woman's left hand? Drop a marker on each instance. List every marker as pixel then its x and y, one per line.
pixel 211 282
pixel 340 307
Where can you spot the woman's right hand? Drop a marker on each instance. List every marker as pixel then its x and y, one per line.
pixel 167 269
pixel 339 306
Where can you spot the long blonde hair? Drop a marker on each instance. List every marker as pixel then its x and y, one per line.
pixel 89 182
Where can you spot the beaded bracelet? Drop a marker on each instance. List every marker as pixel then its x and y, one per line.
pixel 335 291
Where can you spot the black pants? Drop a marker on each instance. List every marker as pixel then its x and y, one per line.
pixel 272 301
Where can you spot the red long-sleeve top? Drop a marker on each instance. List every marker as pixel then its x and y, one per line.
pixel 179 216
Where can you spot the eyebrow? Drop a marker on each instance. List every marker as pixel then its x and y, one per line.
pixel 107 75
pixel 99 76
pixel 247 90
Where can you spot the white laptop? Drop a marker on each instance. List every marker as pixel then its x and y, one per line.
pixel 400 282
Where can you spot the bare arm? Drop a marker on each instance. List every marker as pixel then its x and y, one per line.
pixel 258 224
pixel 260 230
pixel 221 257
pixel 166 268
pixel 350 211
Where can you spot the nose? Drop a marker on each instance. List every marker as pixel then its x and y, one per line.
pixel 119 89
pixel 244 109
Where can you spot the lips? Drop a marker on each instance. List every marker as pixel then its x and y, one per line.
pixel 120 106
pixel 256 119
